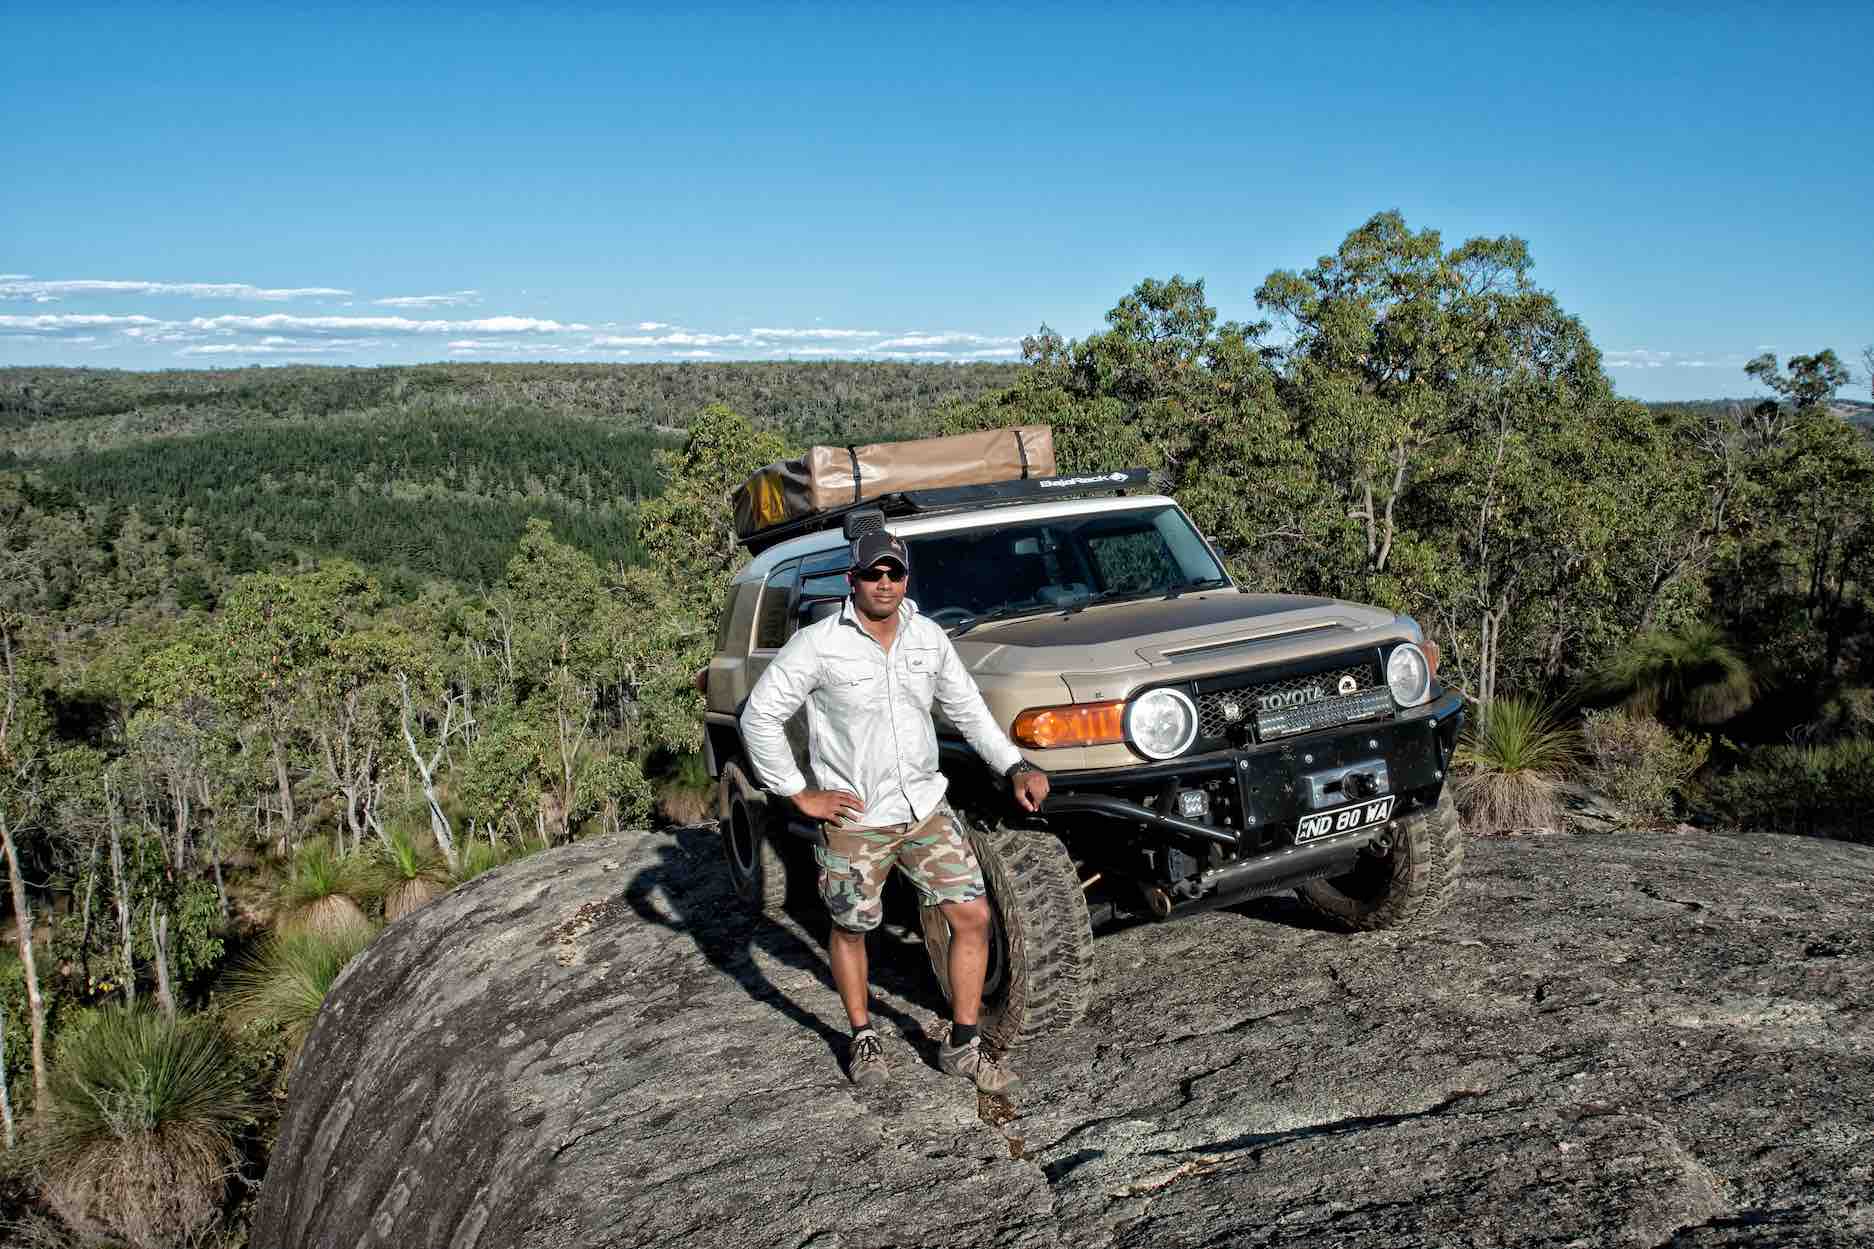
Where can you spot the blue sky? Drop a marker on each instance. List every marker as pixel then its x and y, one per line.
pixel 193 185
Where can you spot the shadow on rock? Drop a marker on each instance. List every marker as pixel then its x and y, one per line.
pixel 687 890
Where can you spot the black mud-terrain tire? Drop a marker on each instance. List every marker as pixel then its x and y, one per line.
pixel 1040 976
pixel 1406 888
pixel 750 831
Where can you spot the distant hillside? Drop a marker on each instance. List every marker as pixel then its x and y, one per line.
pixel 47 410
pixel 429 470
pixel 1854 411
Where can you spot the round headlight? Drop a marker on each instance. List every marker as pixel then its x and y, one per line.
pixel 1161 723
pixel 1409 674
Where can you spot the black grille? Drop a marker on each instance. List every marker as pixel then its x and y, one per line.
pixel 1332 696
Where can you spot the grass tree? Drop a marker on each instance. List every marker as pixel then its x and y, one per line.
pixel 1510 764
pixel 284 983
pixel 138 1144
pixel 321 893
pixel 407 877
pixel 1689 676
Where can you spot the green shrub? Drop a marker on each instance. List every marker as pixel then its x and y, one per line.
pixel 1817 791
pixel 1509 766
pixel 138 1143
pixel 1639 763
pixel 478 856
pixel 285 982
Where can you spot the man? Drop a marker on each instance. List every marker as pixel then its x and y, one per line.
pixel 868 677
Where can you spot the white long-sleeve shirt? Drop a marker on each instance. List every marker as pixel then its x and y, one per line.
pixel 869 728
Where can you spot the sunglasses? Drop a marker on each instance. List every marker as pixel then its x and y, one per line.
pixel 870 575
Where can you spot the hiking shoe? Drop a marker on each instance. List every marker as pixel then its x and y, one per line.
pixel 970 1062
pixel 865 1062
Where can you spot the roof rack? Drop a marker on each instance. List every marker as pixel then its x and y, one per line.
pixel 953 498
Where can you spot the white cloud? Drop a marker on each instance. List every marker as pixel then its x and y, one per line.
pixel 1637 358
pixel 275 346
pixel 18 286
pixel 387 325
pixel 950 338
pixel 648 326
pixel 527 346
pixel 823 335
pixel 454 299
pixel 696 355
pixel 680 338
pixel 1695 364
pixel 846 353
pixel 51 323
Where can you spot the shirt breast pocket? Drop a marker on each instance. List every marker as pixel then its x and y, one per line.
pixel 920 670
pixel 850 685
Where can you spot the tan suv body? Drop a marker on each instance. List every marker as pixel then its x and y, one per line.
pixel 1240 742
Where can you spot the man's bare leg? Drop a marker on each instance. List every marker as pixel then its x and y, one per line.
pixel 846 951
pixel 969 956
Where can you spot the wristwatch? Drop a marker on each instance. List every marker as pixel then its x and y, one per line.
pixel 1017 768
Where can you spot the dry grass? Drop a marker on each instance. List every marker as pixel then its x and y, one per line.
pixel 682 805
pixel 687 795
pixel 151 1190
pixel 408 895
pixel 329 916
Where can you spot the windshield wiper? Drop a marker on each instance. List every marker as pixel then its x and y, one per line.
pixel 1208 583
pixel 961 627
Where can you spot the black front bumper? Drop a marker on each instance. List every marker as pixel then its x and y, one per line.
pixel 1262 784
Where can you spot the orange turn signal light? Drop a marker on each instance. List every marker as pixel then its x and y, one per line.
pixel 1078 724
pixel 1431 654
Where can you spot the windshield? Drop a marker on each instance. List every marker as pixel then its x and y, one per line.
pixel 1058 564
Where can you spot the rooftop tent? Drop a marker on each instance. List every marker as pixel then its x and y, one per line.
pixel 828 479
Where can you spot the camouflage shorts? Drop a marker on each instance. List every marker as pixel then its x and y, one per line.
pixel 934 856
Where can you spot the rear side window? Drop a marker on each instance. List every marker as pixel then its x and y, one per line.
pixel 728 619
pixel 771 618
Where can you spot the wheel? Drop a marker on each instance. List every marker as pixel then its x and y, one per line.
pixel 1409 886
pixel 1040 973
pixel 748 828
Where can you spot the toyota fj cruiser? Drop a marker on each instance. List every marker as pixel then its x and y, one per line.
pixel 1205 744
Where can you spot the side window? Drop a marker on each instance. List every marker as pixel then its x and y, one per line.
pixel 822 585
pixel 771 619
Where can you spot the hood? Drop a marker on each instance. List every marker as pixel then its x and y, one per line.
pixel 1105 650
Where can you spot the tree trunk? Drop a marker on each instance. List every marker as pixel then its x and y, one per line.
pixel 438 819
pixel 159 936
pixel 122 889
pixel 84 937
pixel 6 1094
pixel 221 886
pixel 35 1004
pixel 285 782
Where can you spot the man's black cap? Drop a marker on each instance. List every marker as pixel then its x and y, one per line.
pixel 868 549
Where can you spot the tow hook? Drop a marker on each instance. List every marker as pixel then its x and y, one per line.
pixel 1157 901
pixel 1381 845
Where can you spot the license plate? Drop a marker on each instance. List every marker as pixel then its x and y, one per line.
pixel 1347 819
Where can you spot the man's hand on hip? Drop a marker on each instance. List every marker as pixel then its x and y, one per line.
pixel 1031 788
pixel 828 804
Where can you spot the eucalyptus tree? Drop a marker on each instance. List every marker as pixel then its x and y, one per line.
pixel 25 738
pixel 1458 420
